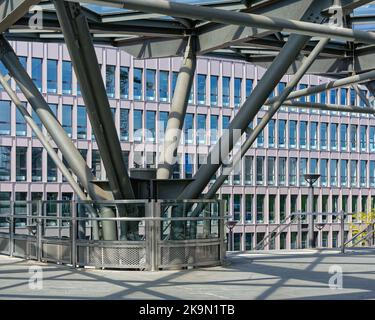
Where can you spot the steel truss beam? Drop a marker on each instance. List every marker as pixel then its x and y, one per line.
pixel 82 52
pixel 54 128
pixel 51 152
pixel 178 111
pixel 244 116
pixel 175 9
pixel 359 78
pixel 12 10
pixel 274 107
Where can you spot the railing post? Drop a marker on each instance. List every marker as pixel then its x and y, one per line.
pixel 11 229
pixel 40 224
pixel 299 232
pixel 342 225
pixel 222 248
pixel 73 233
pixel 151 235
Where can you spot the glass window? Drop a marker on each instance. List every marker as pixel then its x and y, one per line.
pixel 313 165
pixel 333 136
pixel 67 119
pixel 249 87
pixel 344 172
pixel 4 72
pixel 150 84
pixel 163 86
pixel 36 164
pixel 137 85
pixel 271 133
pixel 302 86
pixel 363 175
pixel 5 153
pixel 333 96
pixel 333 169
pixel 343 96
pixel 201 89
pixel 124 82
pixel 214 127
pixel 260 138
pixel 237 92
pixel 260 208
pixel 150 125
pixel 323 135
pixel 137 125
pixel 343 136
pixel 292 134
pixel 363 137
pixel 21 129
pixel 96 165
pixel 260 170
pixel 281 133
pixel 226 91
pixel 189 165
pixel 353 172
pixel 201 132
pixel 226 122
pixel 303 134
pixel 353 137
pixel 174 81
pixel 81 122
pixel 372 173
pixel 51 169
pixel 5 117
pixel 282 207
pixel 163 120
pixel 313 135
pixel 323 97
pixel 36 72
pixel 67 77
pixel 237 207
pixel 353 97
pixel 21 166
pixel 372 138
pixel 249 207
pixel 110 72
pixel 282 171
pixel 124 124
pixel 303 171
pixel 214 89
pixel 271 208
pixel 271 170
pixel 248 170
pixel 323 172
pixel 189 126
pixel 51 76
pixel 292 171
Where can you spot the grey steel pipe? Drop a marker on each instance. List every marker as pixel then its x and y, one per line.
pixel 181 10
pixel 245 115
pixel 329 107
pixel 362 96
pixel 178 111
pixel 307 62
pixel 51 152
pixel 363 77
pixel 57 132
pixel 82 52
pixel 310 217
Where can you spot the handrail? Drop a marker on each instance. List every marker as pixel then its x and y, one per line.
pixel 363 239
pixel 358 234
pixel 262 245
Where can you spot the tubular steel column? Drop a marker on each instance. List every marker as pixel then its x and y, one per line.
pixel 178 111
pixel 51 152
pixel 245 115
pixel 310 216
pixel 266 118
pixel 54 128
pixel 82 52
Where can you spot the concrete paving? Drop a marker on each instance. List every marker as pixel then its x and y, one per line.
pixel 276 275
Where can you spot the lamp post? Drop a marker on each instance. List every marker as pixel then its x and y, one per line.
pixel 311 178
pixel 230 225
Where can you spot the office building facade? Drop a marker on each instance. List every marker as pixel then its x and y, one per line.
pixel 266 187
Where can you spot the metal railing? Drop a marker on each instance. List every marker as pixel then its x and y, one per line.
pixel 64 232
